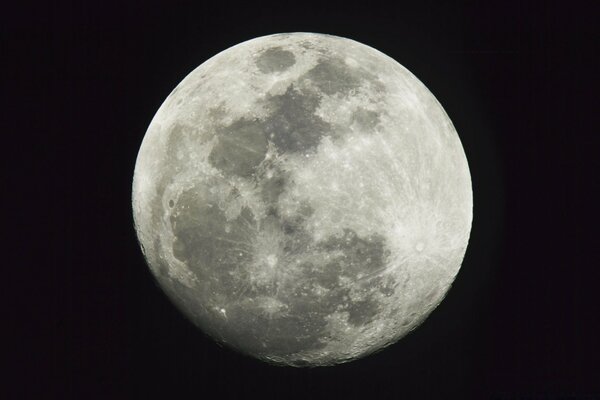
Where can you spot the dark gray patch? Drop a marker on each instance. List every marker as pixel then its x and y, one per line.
pixel 361 259
pixel 289 228
pixel 292 124
pixel 240 148
pixel 179 250
pixel 366 118
pixel 307 45
pixel 305 210
pixel 360 255
pixel 296 241
pixel 233 194
pixel 275 59
pixel 334 297
pixel 272 187
pixel 294 223
pixel 217 113
pixel 362 312
pixel 332 75
pixel 204 243
pixel 176 138
pixel 306 267
pixel 329 275
pixel 370 252
pixel 171 203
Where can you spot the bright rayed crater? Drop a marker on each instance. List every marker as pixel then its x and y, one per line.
pixel 303 198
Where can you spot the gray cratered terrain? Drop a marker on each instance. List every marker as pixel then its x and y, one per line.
pixel 303 198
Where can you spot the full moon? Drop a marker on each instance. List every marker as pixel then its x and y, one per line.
pixel 303 199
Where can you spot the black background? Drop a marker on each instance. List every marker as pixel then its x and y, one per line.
pixel 521 320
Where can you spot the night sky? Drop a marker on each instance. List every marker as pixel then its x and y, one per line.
pixel 521 320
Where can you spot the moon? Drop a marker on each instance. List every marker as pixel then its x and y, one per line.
pixel 303 199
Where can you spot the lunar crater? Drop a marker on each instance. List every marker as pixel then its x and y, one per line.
pixel 332 75
pixel 275 59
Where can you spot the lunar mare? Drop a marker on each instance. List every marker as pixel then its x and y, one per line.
pixel 303 198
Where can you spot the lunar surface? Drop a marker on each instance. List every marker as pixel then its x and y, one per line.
pixel 303 198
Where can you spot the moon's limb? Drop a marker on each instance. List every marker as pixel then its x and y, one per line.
pixel 303 198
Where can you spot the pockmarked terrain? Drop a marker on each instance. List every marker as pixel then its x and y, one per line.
pixel 303 198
